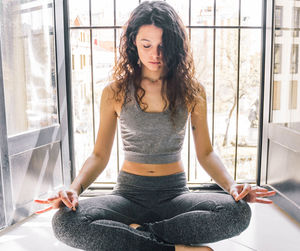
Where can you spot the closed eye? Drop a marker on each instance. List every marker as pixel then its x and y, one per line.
pixel 146 46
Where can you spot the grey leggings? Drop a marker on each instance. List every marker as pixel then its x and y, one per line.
pixel 168 212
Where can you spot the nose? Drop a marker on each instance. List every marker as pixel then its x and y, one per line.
pixel 156 52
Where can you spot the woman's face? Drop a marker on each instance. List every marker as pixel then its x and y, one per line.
pixel 149 46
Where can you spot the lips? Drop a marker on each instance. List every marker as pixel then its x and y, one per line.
pixel 154 62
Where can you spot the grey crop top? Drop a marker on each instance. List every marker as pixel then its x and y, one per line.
pixel 150 137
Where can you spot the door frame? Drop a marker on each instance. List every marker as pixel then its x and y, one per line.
pixel 272 132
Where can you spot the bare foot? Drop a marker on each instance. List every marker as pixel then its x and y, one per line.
pixel 134 225
pixel 190 248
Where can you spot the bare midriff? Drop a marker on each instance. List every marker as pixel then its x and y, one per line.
pixel 152 169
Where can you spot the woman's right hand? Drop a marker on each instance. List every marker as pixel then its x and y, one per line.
pixel 63 197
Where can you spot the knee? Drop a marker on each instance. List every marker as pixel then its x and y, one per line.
pixel 64 224
pixel 59 223
pixel 241 214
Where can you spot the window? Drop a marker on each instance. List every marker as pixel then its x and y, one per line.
pixel 225 39
pixel 276 95
pixel 277 58
pixel 278 20
pixel 296 17
pixel 73 62
pixel 293 91
pixel 294 58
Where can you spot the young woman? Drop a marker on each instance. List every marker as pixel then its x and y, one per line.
pixel 153 93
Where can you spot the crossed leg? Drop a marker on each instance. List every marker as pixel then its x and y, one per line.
pixel 197 218
pixel 103 223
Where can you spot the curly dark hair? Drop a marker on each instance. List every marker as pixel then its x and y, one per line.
pixel 179 83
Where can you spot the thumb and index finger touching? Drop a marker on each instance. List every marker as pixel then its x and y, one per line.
pixel 67 198
pixel 240 191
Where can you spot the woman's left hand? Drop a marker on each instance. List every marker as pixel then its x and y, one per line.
pixel 251 194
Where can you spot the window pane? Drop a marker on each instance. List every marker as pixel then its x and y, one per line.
pixel 29 70
pixel 202 12
pixel 79 13
pixel 293 94
pixel 285 91
pixel 102 12
pixel 82 95
pixel 251 12
pixel 203 56
pixel 294 58
pixel 296 21
pixel 227 12
pixel 124 9
pixel 278 20
pixel 182 8
pixel 249 100
pixel 226 96
pixel 277 58
pixel 103 61
pixel 276 95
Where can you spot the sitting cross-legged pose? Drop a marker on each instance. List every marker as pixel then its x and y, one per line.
pixel 153 93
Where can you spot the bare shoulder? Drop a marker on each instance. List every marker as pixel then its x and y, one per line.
pixel 111 97
pixel 199 106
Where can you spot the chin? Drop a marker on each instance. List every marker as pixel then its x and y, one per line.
pixel 154 67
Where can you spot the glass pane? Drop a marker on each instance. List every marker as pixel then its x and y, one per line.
pixel 182 8
pixel 202 12
pixel 203 57
pixel 79 13
pixel 43 173
pixel 285 86
pixel 227 12
pixel 249 96
pixel 124 9
pixel 278 17
pixel 251 12
pixel 296 21
pixel 226 96
pixel 29 70
pixel 103 61
pixel 82 95
pixel 102 12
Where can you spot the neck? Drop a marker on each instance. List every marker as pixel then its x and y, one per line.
pixel 152 80
pixel 152 76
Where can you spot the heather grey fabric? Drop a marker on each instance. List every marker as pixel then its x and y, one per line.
pixel 150 137
pixel 167 210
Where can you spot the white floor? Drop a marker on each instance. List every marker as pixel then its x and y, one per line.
pixel 270 230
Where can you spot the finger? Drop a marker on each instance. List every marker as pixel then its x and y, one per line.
pixel 246 190
pixel 44 210
pixel 42 201
pixel 260 189
pixel 270 193
pixel 53 198
pixel 235 194
pixel 75 202
pixel 65 199
pixel 263 201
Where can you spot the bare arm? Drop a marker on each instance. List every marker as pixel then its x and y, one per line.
pixel 97 161
pixel 213 165
pixel 206 156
